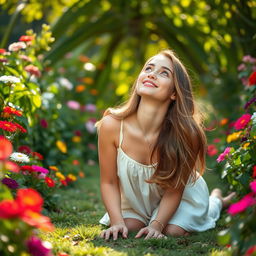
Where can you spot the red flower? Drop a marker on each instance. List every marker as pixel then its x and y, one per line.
pixel 251 250
pixel 8 126
pixel 12 111
pixel 254 171
pixel 11 166
pixel 50 182
pixel 5 148
pixel 27 168
pixel 9 209
pixel 242 121
pixel 29 199
pixel 75 162
pixel 26 38
pixel 37 155
pixel 64 183
pixel 33 70
pixel 252 79
pixel 23 130
pixel 2 50
pixel 24 149
pixel 212 150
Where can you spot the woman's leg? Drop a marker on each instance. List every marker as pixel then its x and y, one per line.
pixel 133 224
pixel 174 230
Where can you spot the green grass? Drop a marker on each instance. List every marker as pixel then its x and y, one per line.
pixel 77 227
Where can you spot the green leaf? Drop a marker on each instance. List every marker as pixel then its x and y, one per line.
pixel 237 161
pixel 223 237
pixel 4 192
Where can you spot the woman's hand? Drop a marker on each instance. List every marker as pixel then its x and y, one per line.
pixel 114 230
pixel 150 232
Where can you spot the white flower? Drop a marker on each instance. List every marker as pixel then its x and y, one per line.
pixel 16 46
pixel 19 157
pixel 9 79
pixel 253 118
pixel 65 83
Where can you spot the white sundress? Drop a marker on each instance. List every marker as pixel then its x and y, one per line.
pixel 197 210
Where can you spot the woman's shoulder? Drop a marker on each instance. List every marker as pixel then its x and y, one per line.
pixel 109 124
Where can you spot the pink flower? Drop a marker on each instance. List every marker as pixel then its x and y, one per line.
pixel 249 58
pixel 33 70
pixel 212 150
pixel 253 186
pixel 90 126
pixel 242 121
pixel 241 67
pixel 222 156
pixel 40 169
pixel 73 104
pixel 16 46
pixel 242 205
pixel 216 140
pixel 37 248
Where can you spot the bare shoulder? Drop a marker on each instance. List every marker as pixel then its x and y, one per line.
pixel 109 128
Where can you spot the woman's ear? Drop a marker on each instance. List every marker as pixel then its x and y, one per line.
pixel 173 96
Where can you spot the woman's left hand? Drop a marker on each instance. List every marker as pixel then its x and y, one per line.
pixel 150 232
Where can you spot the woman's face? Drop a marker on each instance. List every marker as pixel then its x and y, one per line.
pixel 156 79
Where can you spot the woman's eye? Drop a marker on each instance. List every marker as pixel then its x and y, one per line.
pixel 148 68
pixel 165 73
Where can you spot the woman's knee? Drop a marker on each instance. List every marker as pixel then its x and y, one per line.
pixel 133 224
pixel 174 230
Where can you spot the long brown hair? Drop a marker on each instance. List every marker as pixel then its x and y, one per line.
pixel 181 144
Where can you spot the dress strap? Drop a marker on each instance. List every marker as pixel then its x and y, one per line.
pixel 121 134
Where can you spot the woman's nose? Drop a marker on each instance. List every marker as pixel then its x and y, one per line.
pixel 152 75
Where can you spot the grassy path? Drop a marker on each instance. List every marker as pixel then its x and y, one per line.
pixel 77 228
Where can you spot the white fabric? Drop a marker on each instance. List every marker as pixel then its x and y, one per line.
pixel 140 200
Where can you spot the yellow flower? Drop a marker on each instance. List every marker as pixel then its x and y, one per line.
pixel 234 136
pixel 72 177
pixel 61 146
pixel 60 176
pixel 76 139
pixel 54 168
pixel 245 146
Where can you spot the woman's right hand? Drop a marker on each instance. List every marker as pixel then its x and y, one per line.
pixel 114 230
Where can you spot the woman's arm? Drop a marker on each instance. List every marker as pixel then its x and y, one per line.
pixel 109 183
pixel 168 206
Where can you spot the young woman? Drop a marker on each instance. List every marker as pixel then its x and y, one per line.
pixel 152 156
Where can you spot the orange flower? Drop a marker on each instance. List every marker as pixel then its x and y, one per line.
pixel 38 220
pixel 223 121
pixel 5 148
pixel 54 168
pixel 80 88
pixel 81 174
pixel 94 92
pixel 29 199
pixel 88 80
pixel 84 58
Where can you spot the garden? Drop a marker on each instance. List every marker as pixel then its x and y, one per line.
pixel 63 63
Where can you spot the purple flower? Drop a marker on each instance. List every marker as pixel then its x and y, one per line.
pixel 40 169
pixel 37 248
pixel 10 183
pixel 248 103
pixel 43 123
pixel 90 108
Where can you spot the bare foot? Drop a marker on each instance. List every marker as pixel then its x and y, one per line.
pixel 225 200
